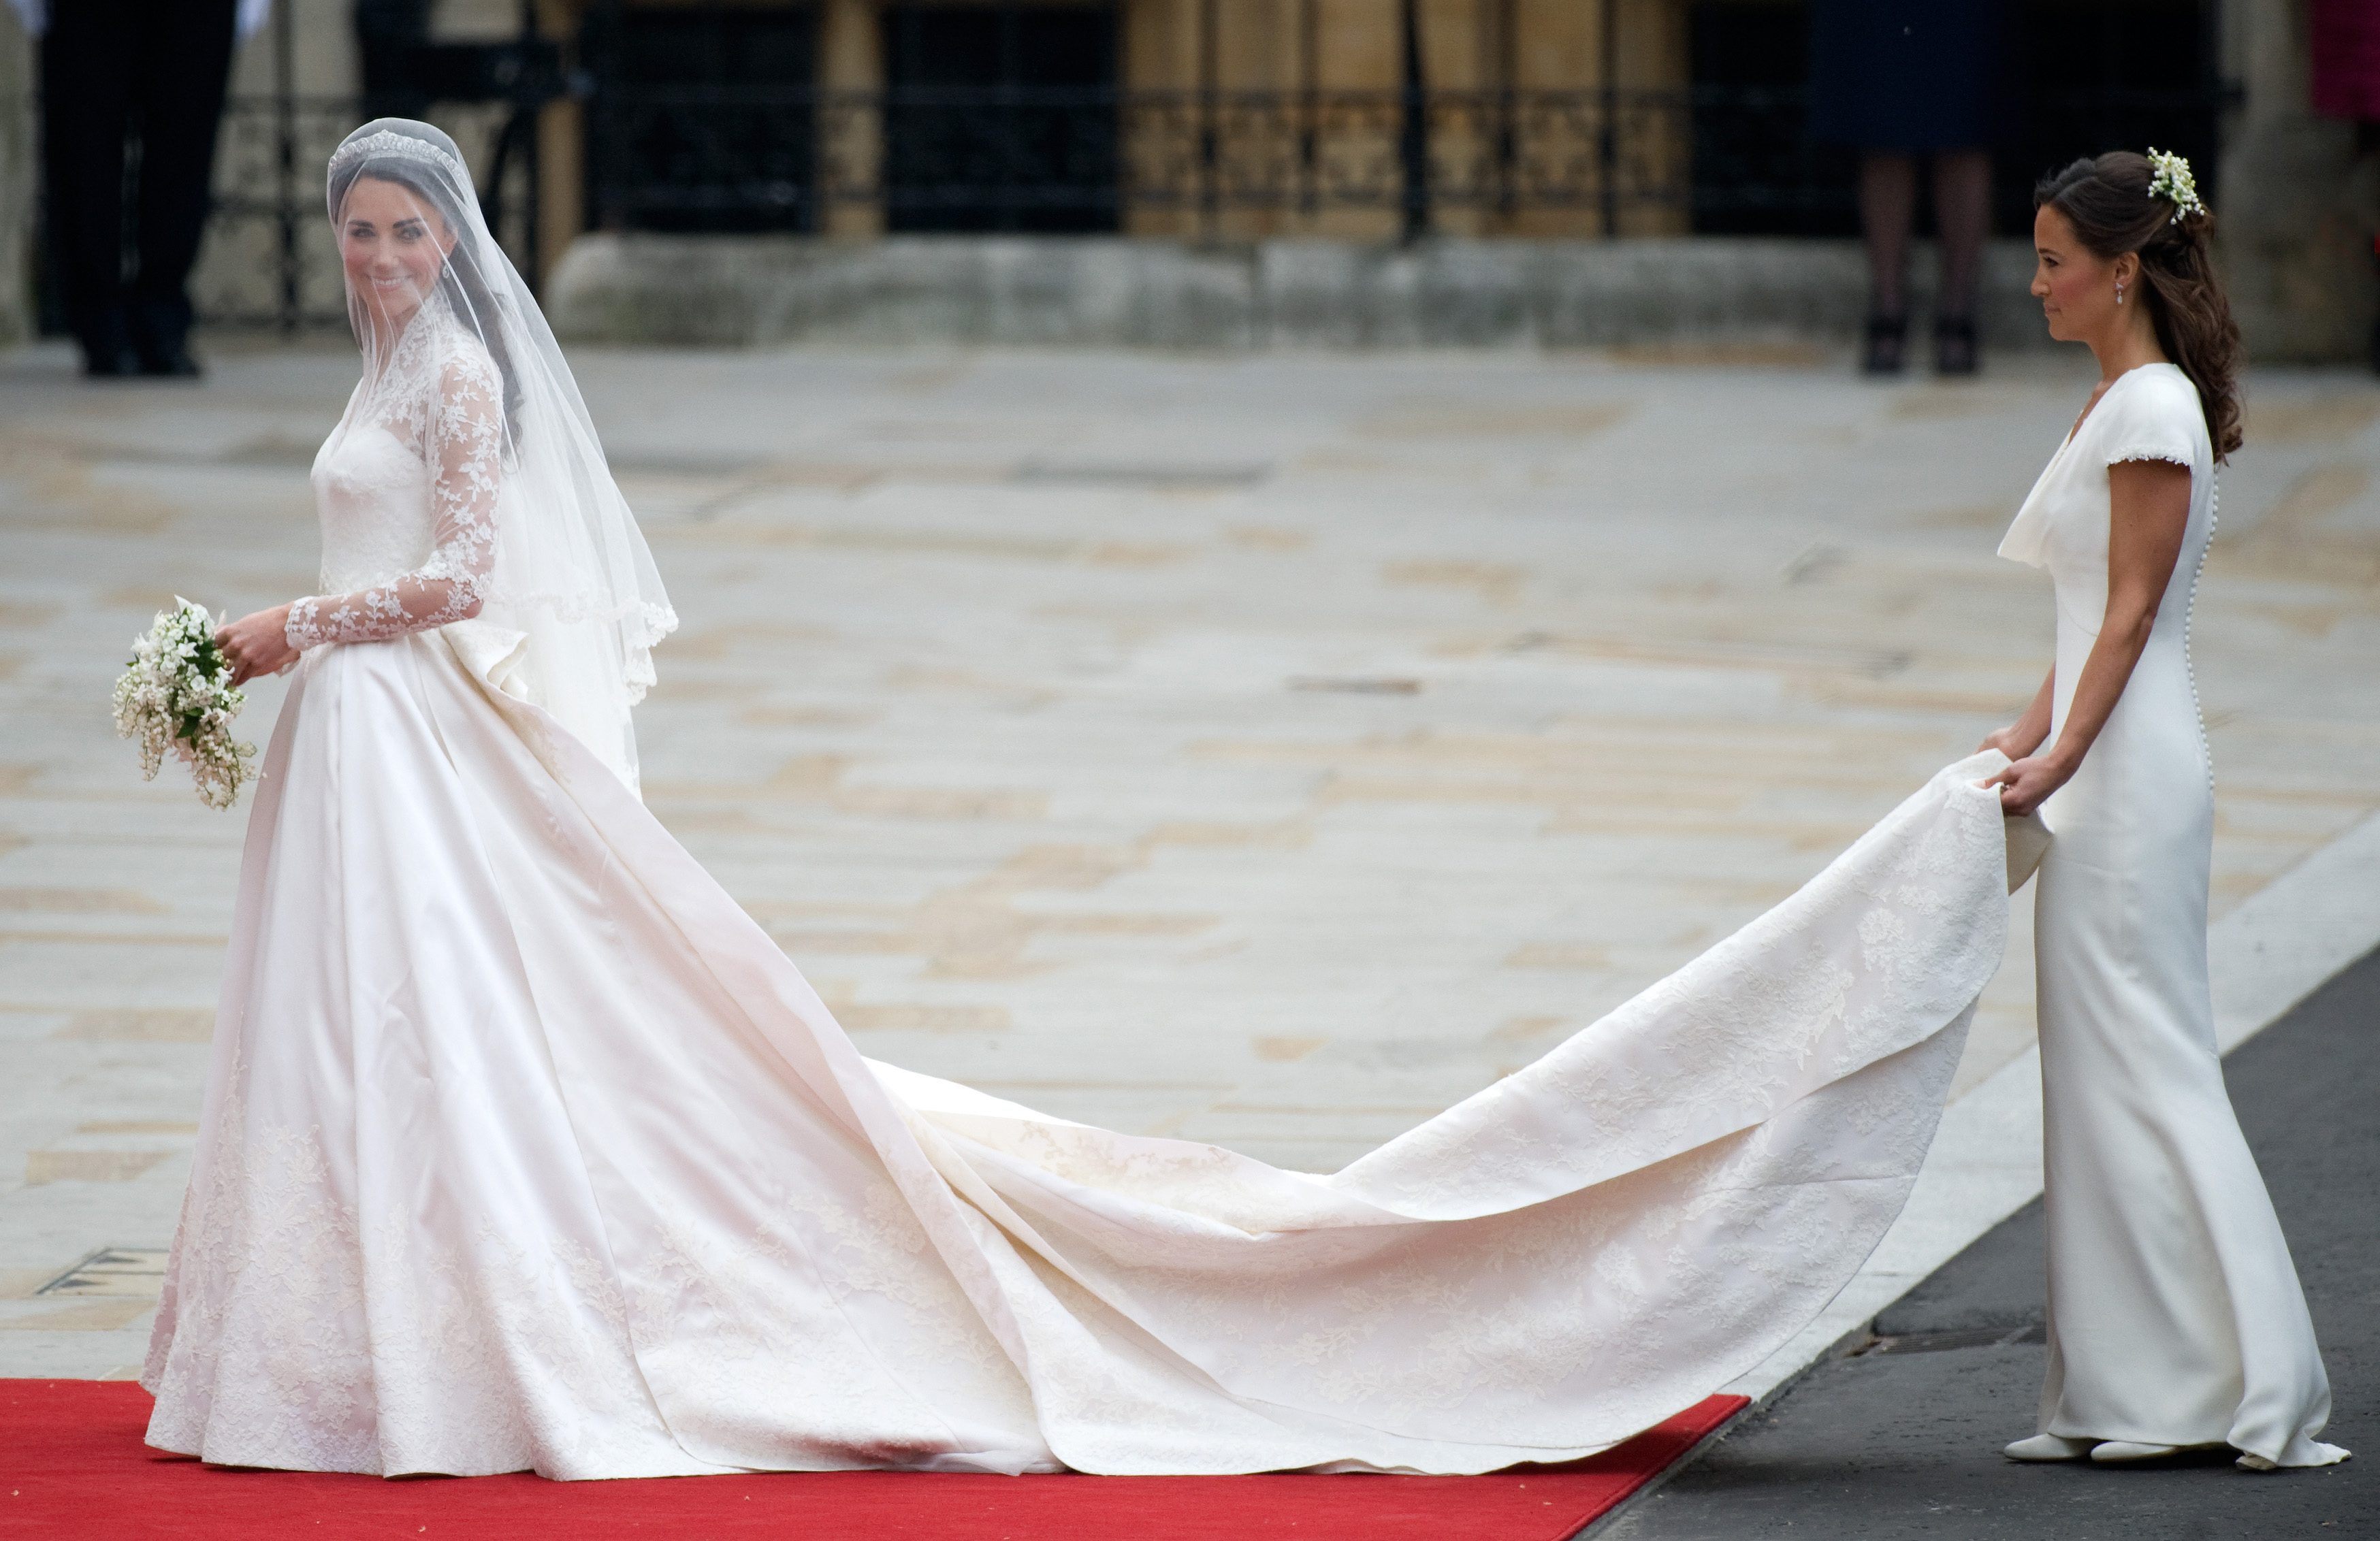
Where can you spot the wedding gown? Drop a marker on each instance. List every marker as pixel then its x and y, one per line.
pixel 2175 1315
pixel 524 1148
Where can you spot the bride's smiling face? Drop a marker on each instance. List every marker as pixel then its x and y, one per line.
pixel 394 242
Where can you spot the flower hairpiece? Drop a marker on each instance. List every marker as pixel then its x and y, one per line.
pixel 2172 182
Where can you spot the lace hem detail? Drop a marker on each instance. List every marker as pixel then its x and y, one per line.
pixel 2150 452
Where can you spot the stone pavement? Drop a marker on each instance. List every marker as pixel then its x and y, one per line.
pixel 1269 750
pixel 1902 1438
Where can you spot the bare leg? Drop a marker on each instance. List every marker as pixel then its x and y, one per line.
pixel 1962 213
pixel 1888 201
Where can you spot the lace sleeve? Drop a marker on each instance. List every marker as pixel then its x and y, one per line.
pixel 463 441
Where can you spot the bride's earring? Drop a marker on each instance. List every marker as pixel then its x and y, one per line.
pixel 2120 291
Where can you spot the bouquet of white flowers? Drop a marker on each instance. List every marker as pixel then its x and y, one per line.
pixel 177 693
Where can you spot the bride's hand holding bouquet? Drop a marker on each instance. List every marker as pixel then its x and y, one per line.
pixel 257 644
pixel 180 692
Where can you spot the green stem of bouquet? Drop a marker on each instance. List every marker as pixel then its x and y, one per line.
pixel 210 662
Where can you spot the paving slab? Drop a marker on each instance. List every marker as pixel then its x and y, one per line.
pixel 1267 750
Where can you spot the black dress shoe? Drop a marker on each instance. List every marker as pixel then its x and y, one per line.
pixel 111 364
pixel 1885 336
pixel 107 347
pixel 172 362
pixel 159 330
pixel 1954 345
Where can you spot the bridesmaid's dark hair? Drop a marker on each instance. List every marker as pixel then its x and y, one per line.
pixel 2107 199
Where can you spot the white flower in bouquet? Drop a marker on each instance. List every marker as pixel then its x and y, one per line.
pixel 177 693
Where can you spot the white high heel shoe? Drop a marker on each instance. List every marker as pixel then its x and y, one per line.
pixel 2048 1447
pixel 2114 1452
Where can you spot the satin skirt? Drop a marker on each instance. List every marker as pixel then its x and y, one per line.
pixel 2175 1313
pixel 524 1148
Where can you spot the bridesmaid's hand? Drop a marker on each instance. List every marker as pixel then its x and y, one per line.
pixel 2028 783
pixel 258 644
pixel 2009 741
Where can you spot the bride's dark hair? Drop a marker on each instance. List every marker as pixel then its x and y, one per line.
pixel 2107 202
pixel 465 285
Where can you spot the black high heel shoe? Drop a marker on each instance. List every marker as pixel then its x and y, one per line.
pixel 1954 344
pixel 1886 337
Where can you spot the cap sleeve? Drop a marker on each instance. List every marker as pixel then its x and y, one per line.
pixel 2159 420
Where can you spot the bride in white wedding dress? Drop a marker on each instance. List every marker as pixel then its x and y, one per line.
pixel 524 1148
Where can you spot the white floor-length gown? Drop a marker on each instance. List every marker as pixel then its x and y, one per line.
pixel 2175 1315
pixel 524 1148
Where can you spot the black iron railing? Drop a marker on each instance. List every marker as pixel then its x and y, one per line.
pixel 281 266
pixel 722 158
pixel 268 209
pixel 1088 158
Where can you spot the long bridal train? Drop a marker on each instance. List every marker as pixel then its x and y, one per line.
pixel 526 1147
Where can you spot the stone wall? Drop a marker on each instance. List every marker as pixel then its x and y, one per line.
pixel 239 266
pixel 1333 45
pixel 1289 46
pixel 2298 202
pixel 1065 291
pixel 17 180
pixel 238 269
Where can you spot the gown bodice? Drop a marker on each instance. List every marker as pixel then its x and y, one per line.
pixel 371 494
pixel 409 489
pixel 2150 413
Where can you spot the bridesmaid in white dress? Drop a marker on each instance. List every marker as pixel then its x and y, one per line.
pixel 524 1148
pixel 2176 1320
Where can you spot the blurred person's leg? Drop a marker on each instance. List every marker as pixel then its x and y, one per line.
pixel 1963 215
pixel 86 80
pixel 183 66
pixel 1888 194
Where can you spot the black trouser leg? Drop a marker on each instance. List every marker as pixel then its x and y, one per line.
pixel 386 33
pixel 86 99
pixel 183 64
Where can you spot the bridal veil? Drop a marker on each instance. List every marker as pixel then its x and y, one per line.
pixel 574 604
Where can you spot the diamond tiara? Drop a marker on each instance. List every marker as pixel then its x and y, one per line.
pixel 389 143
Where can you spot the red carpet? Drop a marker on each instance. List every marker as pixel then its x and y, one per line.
pixel 72 1464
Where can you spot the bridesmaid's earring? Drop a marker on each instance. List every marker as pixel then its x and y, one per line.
pixel 2120 291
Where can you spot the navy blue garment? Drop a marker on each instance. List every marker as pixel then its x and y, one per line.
pixel 1912 75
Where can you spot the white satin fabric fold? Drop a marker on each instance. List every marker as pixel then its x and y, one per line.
pixel 525 1147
